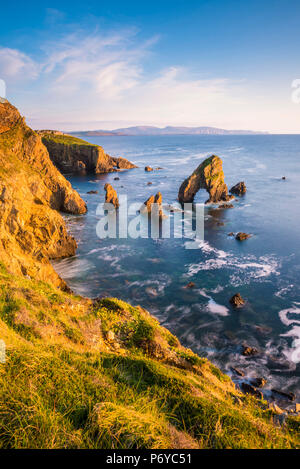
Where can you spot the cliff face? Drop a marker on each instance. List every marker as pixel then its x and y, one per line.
pixel 32 191
pixel 73 154
pixel 210 176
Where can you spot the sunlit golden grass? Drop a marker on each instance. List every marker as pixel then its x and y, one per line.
pixel 83 374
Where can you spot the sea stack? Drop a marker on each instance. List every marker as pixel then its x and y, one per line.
pixel 147 206
pixel 111 196
pixel 210 176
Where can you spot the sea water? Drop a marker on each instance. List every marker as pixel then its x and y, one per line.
pixel 264 269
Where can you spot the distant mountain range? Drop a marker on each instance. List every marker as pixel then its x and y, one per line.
pixel 149 130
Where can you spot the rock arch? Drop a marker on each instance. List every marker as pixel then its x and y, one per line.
pixel 210 176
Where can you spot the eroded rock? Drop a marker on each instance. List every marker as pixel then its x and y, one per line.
pixel 240 236
pixel 287 395
pixel 111 196
pixel 248 351
pixel 258 382
pixel 239 189
pixel 147 207
pixel 32 192
pixel 249 389
pixel 190 285
pixel 210 176
pixel 71 154
pixel 237 301
pixel 237 371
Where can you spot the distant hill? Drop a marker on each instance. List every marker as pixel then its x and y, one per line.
pixel 150 130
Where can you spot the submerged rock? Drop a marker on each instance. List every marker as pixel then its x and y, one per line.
pixel 237 371
pixel 240 236
pixel 239 189
pixel 226 206
pixel 237 301
pixel 111 196
pixel 92 192
pixel 210 176
pixel 287 395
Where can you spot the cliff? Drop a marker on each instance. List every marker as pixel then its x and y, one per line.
pixel 209 176
pixel 32 192
pixel 71 154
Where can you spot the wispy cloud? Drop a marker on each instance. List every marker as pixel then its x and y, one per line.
pixel 84 77
pixel 15 65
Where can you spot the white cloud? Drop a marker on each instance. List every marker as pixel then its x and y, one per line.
pixel 89 78
pixel 15 64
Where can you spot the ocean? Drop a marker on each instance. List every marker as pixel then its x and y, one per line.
pixel 265 269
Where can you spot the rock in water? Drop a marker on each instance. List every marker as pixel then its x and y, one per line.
pixel 237 300
pixel 111 196
pixel 147 206
pixel 190 285
pixel 258 382
pixel 238 189
pixel 148 168
pixel 248 351
pixel 240 236
pixel 209 175
pixel 248 389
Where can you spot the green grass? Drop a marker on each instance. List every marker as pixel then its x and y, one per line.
pixel 65 140
pixel 69 384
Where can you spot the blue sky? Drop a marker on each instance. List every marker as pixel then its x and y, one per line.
pixel 95 64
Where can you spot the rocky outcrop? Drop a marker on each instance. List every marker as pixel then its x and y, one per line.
pixel 32 192
pixel 248 351
pixel 237 301
pixel 239 189
pixel 249 389
pixel 240 236
pixel 210 176
pixel 71 154
pixel 147 207
pixel 111 196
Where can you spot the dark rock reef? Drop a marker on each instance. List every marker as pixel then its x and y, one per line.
pixel 210 176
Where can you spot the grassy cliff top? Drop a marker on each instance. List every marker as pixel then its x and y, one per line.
pixel 103 374
pixel 65 139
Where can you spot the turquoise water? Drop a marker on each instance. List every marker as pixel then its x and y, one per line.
pixel 265 269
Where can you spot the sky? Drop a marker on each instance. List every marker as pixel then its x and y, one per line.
pixel 74 65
